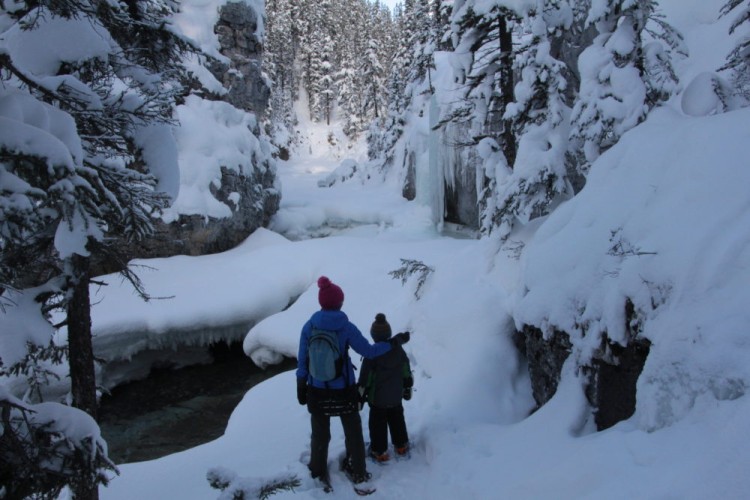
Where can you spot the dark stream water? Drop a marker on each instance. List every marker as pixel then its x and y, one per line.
pixel 173 410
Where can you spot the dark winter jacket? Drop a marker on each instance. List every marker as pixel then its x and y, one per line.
pixel 348 335
pixel 385 377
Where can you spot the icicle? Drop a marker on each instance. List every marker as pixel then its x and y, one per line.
pixel 436 167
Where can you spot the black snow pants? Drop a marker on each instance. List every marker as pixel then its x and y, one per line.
pixel 320 421
pixel 381 421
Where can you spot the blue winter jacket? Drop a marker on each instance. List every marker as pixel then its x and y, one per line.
pixel 348 335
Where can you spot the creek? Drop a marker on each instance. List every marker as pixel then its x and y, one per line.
pixel 176 409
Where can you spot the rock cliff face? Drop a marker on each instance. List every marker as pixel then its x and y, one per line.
pixel 237 32
pixel 258 200
pixel 254 196
pixel 611 375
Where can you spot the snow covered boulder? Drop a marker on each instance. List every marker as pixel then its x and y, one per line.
pixel 348 169
pixel 707 94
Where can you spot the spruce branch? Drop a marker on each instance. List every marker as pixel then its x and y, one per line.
pixel 622 247
pixel 277 485
pixel 239 488
pixel 409 268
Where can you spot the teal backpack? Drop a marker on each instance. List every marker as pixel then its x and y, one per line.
pixel 324 360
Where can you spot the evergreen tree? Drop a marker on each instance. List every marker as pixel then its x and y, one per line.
pixel 324 85
pixel 484 46
pixel 738 60
pixel 371 70
pixel 85 176
pixel 484 41
pixel 539 119
pixel 279 56
pixel 417 38
pixel 350 98
pixel 324 47
pixel 623 74
pixel 303 31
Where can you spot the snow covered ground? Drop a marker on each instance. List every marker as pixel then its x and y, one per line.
pixel 468 419
pixel 670 199
pixel 664 221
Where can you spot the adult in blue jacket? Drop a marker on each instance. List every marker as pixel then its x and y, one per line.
pixel 339 396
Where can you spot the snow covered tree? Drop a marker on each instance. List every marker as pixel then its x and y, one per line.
pixel 349 83
pixel 325 87
pixel 87 93
pixel 482 41
pixel 738 60
pixel 373 81
pixel 539 122
pixel 321 73
pixel 624 74
pixel 416 39
pixel 46 447
pixel 278 62
pixel 422 39
pixel 350 99
pixel 486 39
pixel 323 47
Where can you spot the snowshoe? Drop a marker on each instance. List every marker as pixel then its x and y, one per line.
pixel 360 482
pixel 324 483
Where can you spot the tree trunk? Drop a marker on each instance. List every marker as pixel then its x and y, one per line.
pixel 506 88
pixel 81 353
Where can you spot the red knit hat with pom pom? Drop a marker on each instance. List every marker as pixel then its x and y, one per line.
pixel 330 296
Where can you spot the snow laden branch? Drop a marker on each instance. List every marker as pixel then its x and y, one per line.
pixel 409 268
pixel 622 247
pixel 738 60
pixel 47 447
pixel 238 488
pixel 35 368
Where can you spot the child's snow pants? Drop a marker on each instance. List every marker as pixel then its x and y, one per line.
pixel 382 420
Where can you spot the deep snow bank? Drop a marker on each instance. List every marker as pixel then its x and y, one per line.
pixel 663 221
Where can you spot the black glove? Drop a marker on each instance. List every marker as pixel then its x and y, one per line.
pixel 407 393
pixel 400 338
pixel 408 383
pixel 302 391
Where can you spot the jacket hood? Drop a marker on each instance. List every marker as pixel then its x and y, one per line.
pixel 326 319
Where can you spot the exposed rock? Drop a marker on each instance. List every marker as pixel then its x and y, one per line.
pixel 237 32
pixel 611 377
pixel 611 383
pixel 546 358
pixel 461 202
pixel 252 196
pixel 409 190
pixel 253 199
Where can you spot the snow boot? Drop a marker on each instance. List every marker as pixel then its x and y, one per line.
pixel 380 458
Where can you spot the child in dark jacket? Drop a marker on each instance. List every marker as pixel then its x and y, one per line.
pixel 386 380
